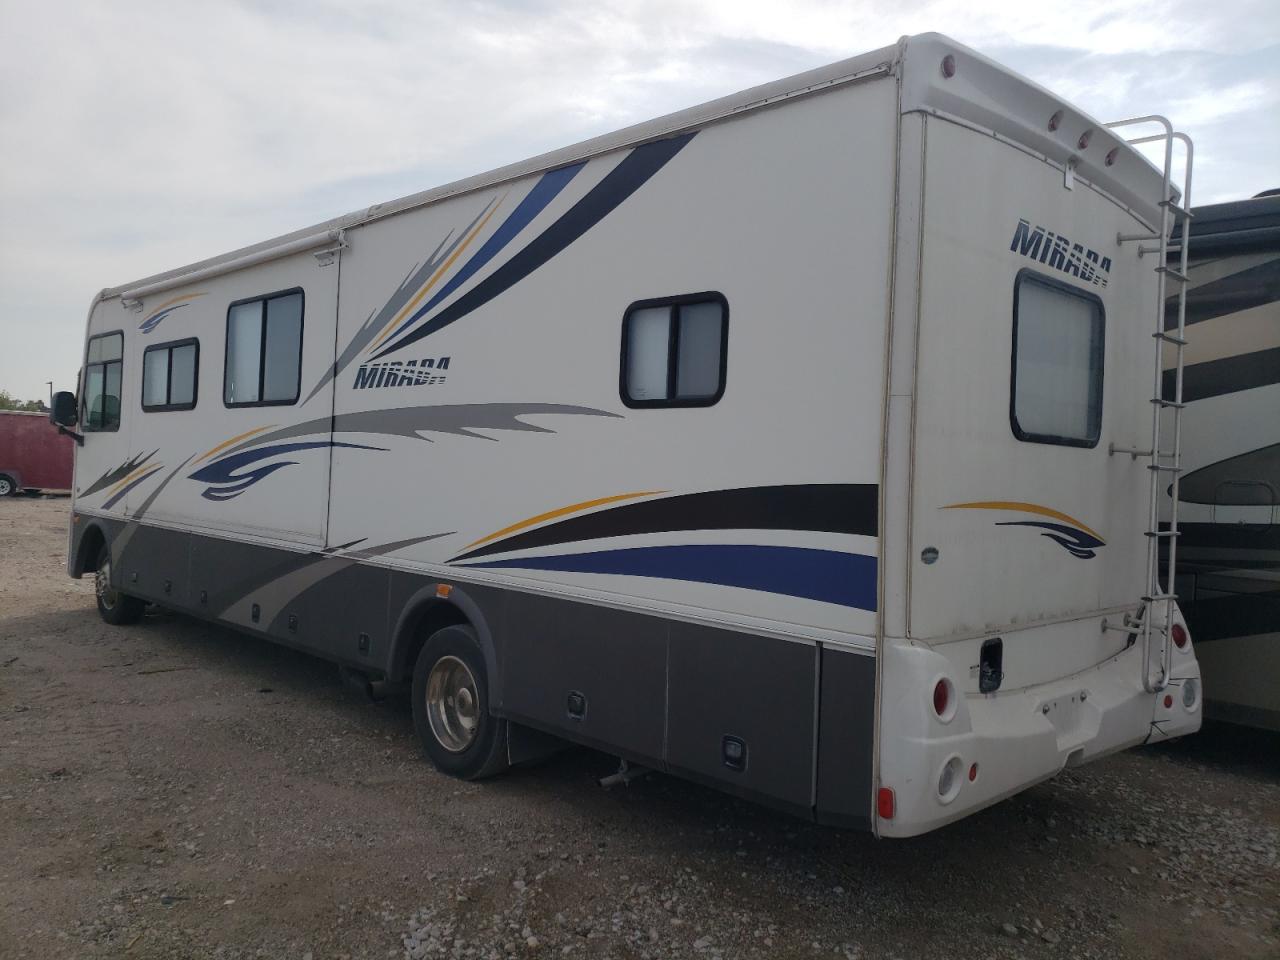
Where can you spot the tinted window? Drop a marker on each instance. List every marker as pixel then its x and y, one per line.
pixel 264 350
pixel 169 375
pixel 673 351
pixel 100 405
pixel 1057 363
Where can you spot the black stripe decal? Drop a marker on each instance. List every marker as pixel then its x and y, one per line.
pixel 825 507
pixel 1239 291
pixel 621 182
pixel 1214 378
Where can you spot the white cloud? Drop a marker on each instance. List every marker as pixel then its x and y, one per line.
pixel 135 136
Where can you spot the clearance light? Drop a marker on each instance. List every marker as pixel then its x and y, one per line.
pixel 1168 701
pixel 948 66
pixel 1112 154
pixel 884 803
pixel 1083 142
pixel 1180 637
pixel 443 590
pixel 1055 121
pixel 973 772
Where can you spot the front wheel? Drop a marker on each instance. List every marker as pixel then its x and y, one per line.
pixel 114 607
pixel 451 707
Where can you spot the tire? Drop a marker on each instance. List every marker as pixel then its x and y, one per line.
pixel 117 608
pixel 7 487
pixel 451 707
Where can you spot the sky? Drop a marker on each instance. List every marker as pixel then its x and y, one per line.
pixel 141 135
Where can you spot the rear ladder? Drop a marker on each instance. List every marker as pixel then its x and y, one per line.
pixel 1156 620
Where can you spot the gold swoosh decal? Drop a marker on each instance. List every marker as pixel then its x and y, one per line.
pixel 552 514
pixel 226 443
pixel 169 303
pixel 1023 508
pixel 146 468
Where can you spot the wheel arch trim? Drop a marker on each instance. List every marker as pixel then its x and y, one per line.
pixel 417 608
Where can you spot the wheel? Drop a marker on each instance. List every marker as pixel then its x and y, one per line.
pixel 7 487
pixel 114 607
pixel 451 707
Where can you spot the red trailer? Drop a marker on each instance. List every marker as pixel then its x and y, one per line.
pixel 33 455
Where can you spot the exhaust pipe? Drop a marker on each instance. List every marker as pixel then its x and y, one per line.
pixel 363 685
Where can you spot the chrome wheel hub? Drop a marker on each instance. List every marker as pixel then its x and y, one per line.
pixel 102 585
pixel 453 704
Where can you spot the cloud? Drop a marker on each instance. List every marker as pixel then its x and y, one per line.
pixel 138 136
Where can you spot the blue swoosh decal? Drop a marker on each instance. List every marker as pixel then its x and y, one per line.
pixel 847 579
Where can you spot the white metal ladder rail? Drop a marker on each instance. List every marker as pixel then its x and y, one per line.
pixel 1163 461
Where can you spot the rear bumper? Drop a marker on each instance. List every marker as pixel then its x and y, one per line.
pixel 999 744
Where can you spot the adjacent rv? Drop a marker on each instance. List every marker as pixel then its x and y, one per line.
pixel 1229 496
pixel 768 444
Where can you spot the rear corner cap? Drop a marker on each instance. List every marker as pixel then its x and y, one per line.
pixel 987 95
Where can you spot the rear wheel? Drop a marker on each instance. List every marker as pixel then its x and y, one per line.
pixel 7 487
pixel 451 707
pixel 114 607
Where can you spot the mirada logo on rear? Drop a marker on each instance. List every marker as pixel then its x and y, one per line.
pixel 1056 251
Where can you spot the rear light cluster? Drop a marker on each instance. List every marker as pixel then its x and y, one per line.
pixel 953 773
pixel 1179 634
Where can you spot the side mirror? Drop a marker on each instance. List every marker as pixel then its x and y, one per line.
pixel 64 409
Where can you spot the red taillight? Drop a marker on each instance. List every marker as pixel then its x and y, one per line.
pixel 941 697
pixel 973 772
pixel 884 803
pixel 1168 701
pixel 1180 637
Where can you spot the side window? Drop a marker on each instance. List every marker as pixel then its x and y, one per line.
pixel 170 375
pixel 264 351
pixel 1056 393
pixel 100 404
pixel 674 351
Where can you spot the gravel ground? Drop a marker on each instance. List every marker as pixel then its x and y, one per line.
pixel 176 790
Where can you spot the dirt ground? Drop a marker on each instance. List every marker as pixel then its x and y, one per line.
pixel 176 790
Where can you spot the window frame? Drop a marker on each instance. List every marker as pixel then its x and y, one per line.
pixel 168 385
pixel 673 350
pixel 264 299
pixel 1098 379
pixel 84 389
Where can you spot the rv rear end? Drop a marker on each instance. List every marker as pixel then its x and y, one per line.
pixel 1015 533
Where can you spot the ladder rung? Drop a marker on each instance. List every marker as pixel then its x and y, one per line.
pixel 1164 533
pixel 1167 468
pixel 1168 403
pixel 1176 274
pixel 1160 596
pixel 1170 338
pixel 1180 211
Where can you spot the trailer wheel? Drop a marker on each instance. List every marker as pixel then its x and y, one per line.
pixel 114 607
pixel 451 707
pixel 7 487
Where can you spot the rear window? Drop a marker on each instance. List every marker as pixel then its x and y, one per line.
pixel 1056 393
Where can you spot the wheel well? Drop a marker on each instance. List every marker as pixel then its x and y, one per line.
pixel 87 550
pixel 425 621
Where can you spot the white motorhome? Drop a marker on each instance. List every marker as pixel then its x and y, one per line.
pixel 767 444
pixel 1229 494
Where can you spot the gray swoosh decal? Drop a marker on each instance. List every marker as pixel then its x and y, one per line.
pixel 456 419
pixel 376 321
